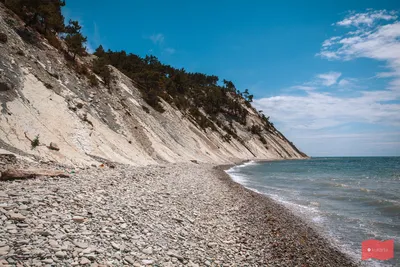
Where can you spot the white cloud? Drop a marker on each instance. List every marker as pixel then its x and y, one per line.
pixel 380 42
pixel 330 41
pixel 330 78
pixel 333 124
pixel 319 111
pixel 157 38
pixel 367 19
pixel 304 87
pixel 344 82
pixel 169 50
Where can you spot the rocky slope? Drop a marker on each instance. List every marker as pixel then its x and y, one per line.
pixel 41 95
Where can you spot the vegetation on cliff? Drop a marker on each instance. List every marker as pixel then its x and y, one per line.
pixel 206 99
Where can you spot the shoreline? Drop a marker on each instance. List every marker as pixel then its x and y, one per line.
pixel 308 237
pixel 183 214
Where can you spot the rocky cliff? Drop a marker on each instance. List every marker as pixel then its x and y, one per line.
pixel 45 102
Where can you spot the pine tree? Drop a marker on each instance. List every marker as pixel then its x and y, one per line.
pixel 100 51
pixel 74 38
pixel 44 13
pixel 51 16
pixel 101 68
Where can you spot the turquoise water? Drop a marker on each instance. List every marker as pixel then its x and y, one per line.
pixel 348 199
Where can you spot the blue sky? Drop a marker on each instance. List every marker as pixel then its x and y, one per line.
pixel 326 72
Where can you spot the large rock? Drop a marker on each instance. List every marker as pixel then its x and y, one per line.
pixel 33 173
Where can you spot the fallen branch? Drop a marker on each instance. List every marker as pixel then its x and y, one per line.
pixel 26 174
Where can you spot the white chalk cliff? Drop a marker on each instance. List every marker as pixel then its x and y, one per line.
pixel 41 95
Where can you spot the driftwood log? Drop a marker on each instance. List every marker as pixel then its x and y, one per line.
pixel 32 173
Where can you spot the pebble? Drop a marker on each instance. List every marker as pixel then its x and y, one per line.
pixel 115 245
pixel 84 261
pixel 60 254
pixel 4 250
pixel 16 216
pixel 172 253
pixel 48 261
pixel 130 260
pixel 147 262
pixel 81 245
pixel 148 251
pixel 78 219
pixel 53 243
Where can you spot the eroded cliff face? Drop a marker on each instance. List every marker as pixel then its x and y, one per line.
pixel 40 95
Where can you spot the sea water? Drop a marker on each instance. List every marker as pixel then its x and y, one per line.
pixel 348 200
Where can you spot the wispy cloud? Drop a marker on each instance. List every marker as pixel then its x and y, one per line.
pixel 169 50
pixel 344 82
pixel 367 18
pixel 330 78
pixel 157 38
pixel 303 87
pixel 327 79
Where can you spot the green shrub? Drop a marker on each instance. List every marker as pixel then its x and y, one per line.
pixel 35 142
pixel 93 80
pixel 263 140
pixel 53 40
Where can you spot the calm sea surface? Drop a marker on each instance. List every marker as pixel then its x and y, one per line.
pixel 348 199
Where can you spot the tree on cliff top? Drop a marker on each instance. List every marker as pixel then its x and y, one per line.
pixel 43 14
pixel 74 38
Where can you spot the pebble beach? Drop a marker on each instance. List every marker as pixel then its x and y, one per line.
pixel 185 214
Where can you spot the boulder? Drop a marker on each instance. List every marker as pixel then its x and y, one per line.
pixel 33 173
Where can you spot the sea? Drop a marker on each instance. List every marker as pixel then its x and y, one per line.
pixel 347 199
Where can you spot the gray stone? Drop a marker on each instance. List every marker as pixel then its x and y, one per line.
pixel 130 260
pixel 91 256
pixel 212 244
pixel 4 250
pixel 147 262
pixel 61 254
pixel 148 251
pixel 16 216
pixel 53 243
pixel 81 245
pixel 87 251
pixel 48 261
pixel 84 261
pixel 78 219
pixel 115 245
pixel 174 254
